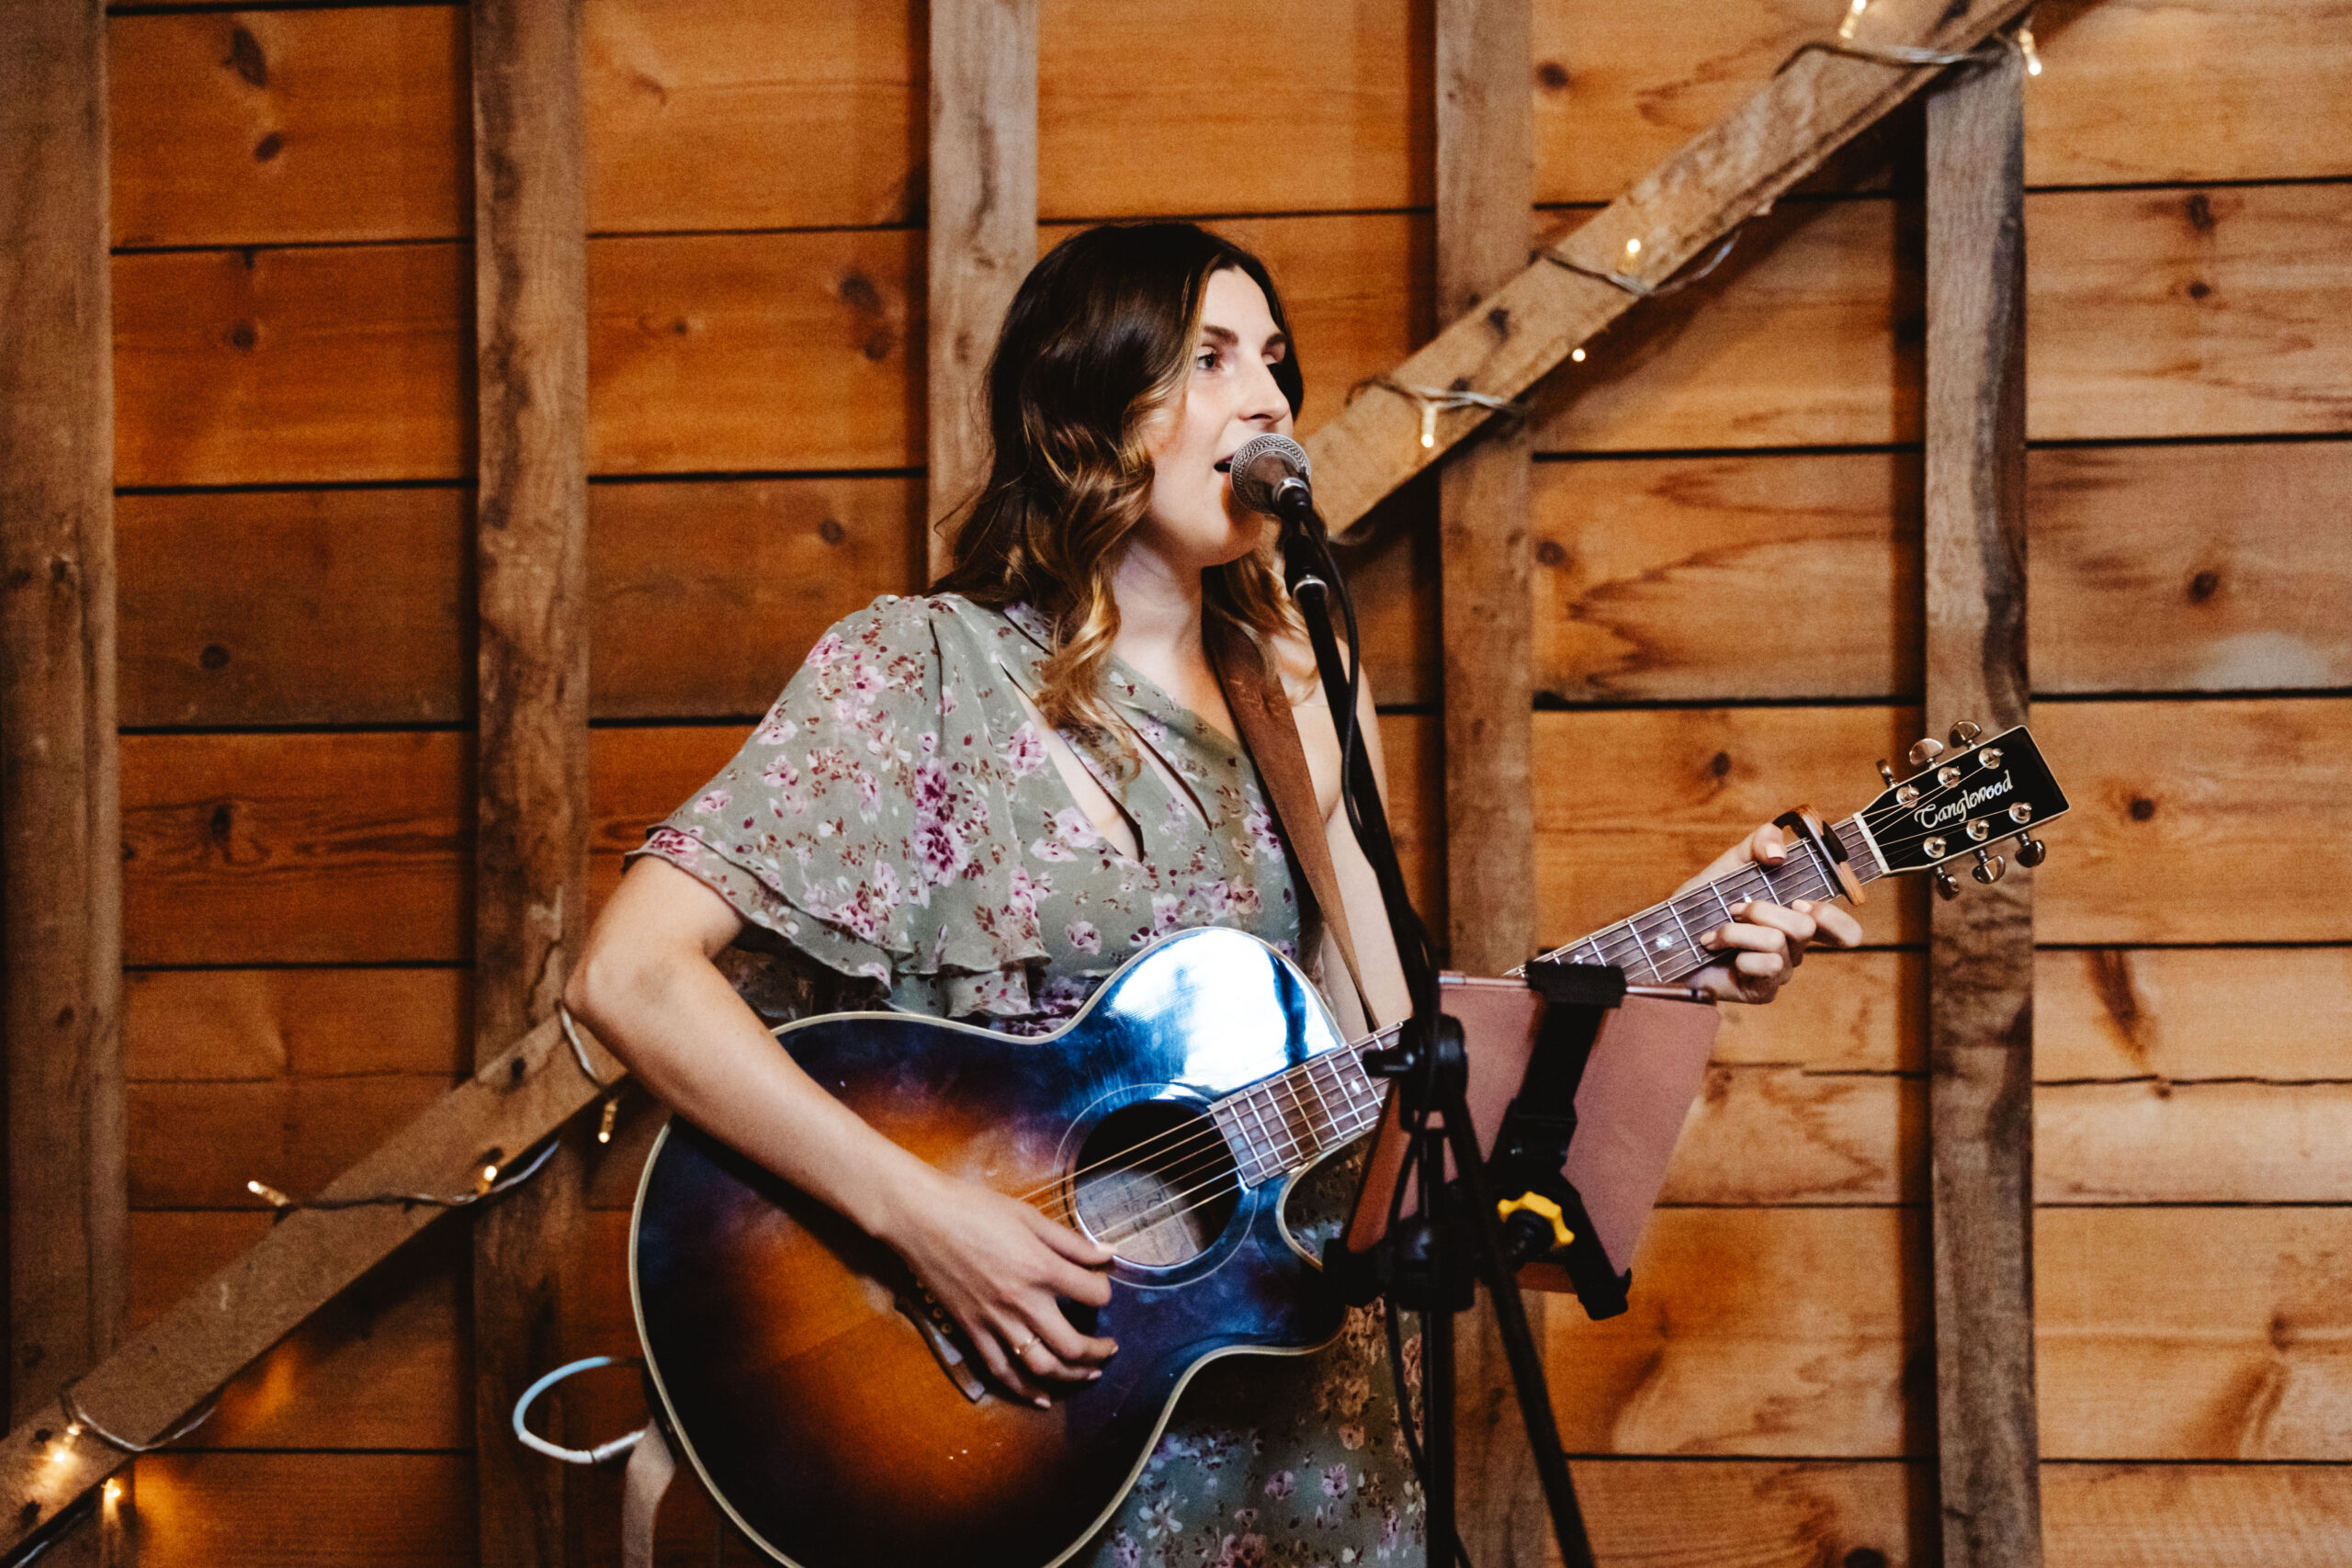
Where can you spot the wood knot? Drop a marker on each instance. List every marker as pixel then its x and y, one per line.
pixel 244 335
pixel 2142 808
pixel 1551 76
pixel 879 344
pixel 30 1515
pixel 2199 208
pixel 2199 289
pixel 1500 319
pixel 214 657
pixel 1549 553
pixel 2204 585
pixel 858 291
pixel 224 822
pixel 65 1016
pixel 832 532
pixel 245 58
pixel 268 147
pixel 1721 766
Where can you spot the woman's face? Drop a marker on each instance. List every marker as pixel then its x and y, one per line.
pixel 1193 521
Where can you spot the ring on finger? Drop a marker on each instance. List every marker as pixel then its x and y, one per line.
pixel 1021 1350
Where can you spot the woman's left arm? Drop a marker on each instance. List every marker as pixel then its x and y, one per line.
pixel 1763 943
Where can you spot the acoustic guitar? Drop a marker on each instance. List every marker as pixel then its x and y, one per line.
pixel 836 1412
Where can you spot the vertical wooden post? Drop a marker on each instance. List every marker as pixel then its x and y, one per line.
pixel 62 907
pixel 1980 967
pixel 61 835
pixel 1485 190
pixel 531 859
pixel 983 225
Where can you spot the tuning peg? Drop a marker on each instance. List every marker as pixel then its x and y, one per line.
pixel 1945 885
pixel 2031 851
pixel 1964 733
pixel 1925 752
pixel 1885 772
pixel 1989 867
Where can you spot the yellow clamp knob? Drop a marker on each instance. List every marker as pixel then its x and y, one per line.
pixel 1536 1204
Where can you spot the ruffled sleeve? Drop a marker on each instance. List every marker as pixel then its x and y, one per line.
pixel 867 821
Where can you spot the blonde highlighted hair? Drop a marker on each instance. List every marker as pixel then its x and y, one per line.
pixel 1099 337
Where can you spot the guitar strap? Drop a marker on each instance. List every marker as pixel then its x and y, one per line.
pixel 1261 711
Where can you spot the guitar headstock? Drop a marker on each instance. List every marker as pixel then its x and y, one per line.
pixel 1966 800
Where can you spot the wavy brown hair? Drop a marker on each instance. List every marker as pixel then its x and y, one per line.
pixel 1098 339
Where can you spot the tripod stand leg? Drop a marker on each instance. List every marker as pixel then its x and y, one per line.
pixel 1519 1347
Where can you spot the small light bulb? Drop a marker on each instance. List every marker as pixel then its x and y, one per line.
pixel 74 1428
pixel 276 1199
pixel 1633 247
pixel 1576 354
pixel 57 1454
pixel 113 1491
pixel 605 1121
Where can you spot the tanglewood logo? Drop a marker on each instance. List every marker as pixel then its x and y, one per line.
pixel 1969 800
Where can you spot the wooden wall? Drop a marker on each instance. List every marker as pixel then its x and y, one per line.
pixel 1727 574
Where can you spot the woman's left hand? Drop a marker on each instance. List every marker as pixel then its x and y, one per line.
pixel 1763 943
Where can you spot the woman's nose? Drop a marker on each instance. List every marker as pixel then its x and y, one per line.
pixel 1263 398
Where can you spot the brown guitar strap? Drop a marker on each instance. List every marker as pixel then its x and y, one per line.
pixel 1261 711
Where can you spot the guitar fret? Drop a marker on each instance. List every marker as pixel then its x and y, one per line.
pixel 1681 926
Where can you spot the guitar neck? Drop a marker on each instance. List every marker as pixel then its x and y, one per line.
pixel 1291 1119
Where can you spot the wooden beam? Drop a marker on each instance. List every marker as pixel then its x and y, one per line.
pixel 1689 202
pixel 152 1383
pixel 531 843
pixel 1980 964
pixel 1485 188
pixel 983 225
pixel 61 906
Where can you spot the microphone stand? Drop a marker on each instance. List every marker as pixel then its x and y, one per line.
pixel 1429 1263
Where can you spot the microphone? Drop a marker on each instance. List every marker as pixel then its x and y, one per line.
pixel 1270 475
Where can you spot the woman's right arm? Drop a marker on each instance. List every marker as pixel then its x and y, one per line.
pixel 647 986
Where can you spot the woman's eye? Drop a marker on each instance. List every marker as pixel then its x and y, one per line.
pixel 1206 360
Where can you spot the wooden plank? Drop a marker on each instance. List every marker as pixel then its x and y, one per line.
pixel 1137 116
pixel 1980 949
pixel 361 618
pixel 364 617
pixel 1791 1135
pixel 308 1257
pixel 982 227
pixel 257 366
pixel 1758 1332
pixel 2175 1515
pixel 393 1510
pixel 249 1025
pixel 1685 205
pixel 2138 91
pixel 732 352
pixel 702 116
pixel 2231 580
pixel 317 848
pixel 278 848
pixel 2166 90
pixel 1668 579
pixel 1665 577
pixel 277 126
pixel 2186 1014
pixel 530 885
pixel 61 899
pixel 1393 572
pixel 2240 1355
pixel 2218 312
pixel 2225 797
pixel 195 1146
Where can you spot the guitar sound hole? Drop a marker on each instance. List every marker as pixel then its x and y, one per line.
pixel 1155 1183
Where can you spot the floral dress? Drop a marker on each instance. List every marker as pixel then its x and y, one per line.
pixel 896 819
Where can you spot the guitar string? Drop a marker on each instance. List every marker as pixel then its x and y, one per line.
pixel 1212 1136
pixel 1211 1139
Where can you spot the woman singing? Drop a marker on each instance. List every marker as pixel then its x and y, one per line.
pixel 980 803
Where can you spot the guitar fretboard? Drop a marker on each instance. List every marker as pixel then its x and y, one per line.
pixel 1287 1121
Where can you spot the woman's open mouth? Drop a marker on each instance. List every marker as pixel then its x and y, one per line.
pixel 1225 465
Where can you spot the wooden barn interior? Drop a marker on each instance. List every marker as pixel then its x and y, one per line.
pixel 434 435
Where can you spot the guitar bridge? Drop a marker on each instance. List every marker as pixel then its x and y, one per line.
pixel 938 1330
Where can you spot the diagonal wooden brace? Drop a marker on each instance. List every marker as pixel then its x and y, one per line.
pixel 1721 177
pixel 153 1380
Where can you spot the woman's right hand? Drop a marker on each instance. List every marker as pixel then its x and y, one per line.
pixel 998 1264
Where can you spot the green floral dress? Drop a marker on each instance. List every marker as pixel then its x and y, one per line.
pixel 896 819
